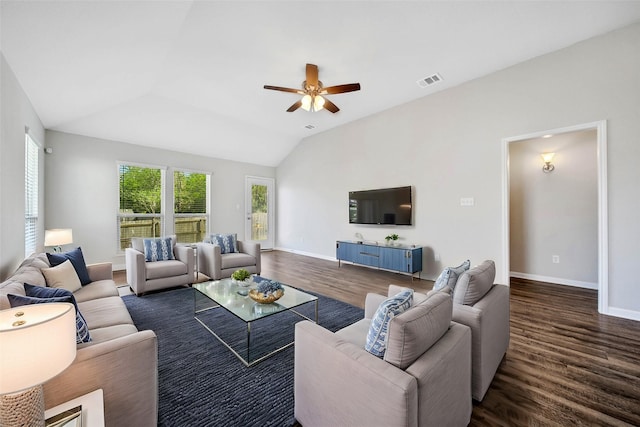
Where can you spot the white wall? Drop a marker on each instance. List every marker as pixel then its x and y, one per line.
pixel 448 145
pixel 82 189
pixel 16 114
pixel 555 213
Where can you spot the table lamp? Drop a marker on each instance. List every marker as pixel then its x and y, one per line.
pixel 37 342
pixel 57 237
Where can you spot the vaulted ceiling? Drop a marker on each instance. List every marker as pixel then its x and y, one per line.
pixel 189 75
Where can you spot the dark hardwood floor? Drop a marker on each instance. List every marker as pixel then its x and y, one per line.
pixel 566 364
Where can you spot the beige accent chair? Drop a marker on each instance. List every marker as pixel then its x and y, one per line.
pixel 424 378
pixel 213 263
pixel 484 307
pixel 145 276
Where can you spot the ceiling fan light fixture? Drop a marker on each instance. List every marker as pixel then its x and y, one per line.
pixel 318 103
pixel 306 102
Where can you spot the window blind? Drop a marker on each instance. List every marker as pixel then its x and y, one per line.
pixel 31 196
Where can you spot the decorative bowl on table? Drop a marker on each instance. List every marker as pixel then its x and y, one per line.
pixel 267 291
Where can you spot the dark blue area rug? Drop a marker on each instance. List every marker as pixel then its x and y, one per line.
pixel 202 383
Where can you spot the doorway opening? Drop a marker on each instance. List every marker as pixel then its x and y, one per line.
pixel 601 183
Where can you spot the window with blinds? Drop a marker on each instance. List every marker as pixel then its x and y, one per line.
pixel 30 195
pixel 190 213
pixel 140 208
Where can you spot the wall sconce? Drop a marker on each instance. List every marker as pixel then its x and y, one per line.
pixel 547 157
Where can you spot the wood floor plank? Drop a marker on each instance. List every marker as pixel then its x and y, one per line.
pixel 566 363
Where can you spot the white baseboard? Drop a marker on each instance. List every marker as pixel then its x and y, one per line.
pixel 556 280
pixel 311 254
pixel 623 312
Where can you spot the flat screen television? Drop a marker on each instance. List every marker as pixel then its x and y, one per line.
pixel 390 206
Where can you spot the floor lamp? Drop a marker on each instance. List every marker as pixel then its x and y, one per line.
pixel 37 342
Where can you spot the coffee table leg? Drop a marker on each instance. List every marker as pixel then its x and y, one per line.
pixel 248 341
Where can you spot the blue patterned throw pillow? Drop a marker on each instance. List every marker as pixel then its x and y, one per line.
pixel 449 276
pixel 158 249
pixel 43 295
pixel 388 309
pixel 228 242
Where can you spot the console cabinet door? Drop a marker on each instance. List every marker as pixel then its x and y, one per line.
pixel 368 255
pixel 394 259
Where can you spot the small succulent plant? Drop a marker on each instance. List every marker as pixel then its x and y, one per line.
pixel 240 275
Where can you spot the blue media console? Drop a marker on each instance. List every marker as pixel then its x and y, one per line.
pixel 404 259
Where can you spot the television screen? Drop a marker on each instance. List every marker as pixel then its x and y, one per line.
pixel 382 206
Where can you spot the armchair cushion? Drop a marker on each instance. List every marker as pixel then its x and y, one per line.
pixel 158 249
pixel 389 308
pixel 413 332
pixel 449 276
pixel 228 242
pixel 157 270
pixel 236 260
pixel 77 260
pixel 475 283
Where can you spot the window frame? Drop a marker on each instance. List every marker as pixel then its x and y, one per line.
pixel 31 193
pixel 206 214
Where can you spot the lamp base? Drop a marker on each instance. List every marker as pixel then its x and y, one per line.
pixel 23 409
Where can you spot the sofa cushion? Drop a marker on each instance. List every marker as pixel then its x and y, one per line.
pixel 475 283
pixel 235 260
pixel 228 242
pixel 55 295
pixel 77 260
pixel 109 333
pixel 105 312
pixel 413 332
pixel 449 276
pixel 62 276
pixel 387 310
pixel 160 270
pixel 96 290
pixel 158 249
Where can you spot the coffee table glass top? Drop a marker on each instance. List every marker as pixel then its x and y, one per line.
pixel 228 294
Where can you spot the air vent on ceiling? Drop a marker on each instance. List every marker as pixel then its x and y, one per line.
pixel 310 127
pixel 430 80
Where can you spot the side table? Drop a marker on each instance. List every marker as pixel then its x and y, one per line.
pixel 92 408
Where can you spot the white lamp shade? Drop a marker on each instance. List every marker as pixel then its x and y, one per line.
pixel 547 157
pixel 318 103
pixel 38 350
pixel 58 237
pixel 306 102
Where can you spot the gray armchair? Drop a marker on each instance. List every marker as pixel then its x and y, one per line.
pixel 145 276
pixel 424 378
pixel 484 307
pixel 216 265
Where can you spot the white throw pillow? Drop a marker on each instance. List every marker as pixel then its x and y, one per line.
pixel 62 276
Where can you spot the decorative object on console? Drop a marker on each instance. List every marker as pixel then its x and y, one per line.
pixel 57 237
pixel 547 158
pixel 391 238
pixel 26 334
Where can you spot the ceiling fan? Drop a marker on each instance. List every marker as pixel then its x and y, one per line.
pixel 312 92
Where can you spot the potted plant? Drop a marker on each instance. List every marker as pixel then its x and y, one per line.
pixel 391 239
pixel 240 275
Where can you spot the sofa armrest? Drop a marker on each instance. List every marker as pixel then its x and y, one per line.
pixel 136 272
pixel 209 261
pixel 371 304
pixel 185 254
pixel 338 383
pixel 100 271
pixel 252 249
pixel 125 368
pixel 489 323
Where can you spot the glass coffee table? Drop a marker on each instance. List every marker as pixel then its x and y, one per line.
pixel 233 298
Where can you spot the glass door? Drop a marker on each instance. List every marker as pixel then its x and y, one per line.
pixel 259 220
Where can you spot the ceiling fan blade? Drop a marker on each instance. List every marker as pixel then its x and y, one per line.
pixel 312 75
pixel 332 90
pixel 328 105
pixel 294 107
pixel 284 89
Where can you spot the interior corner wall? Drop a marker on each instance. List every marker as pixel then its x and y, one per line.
pixel 16 114
pixel 555 213
pixel 448 145
pixel 82 189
